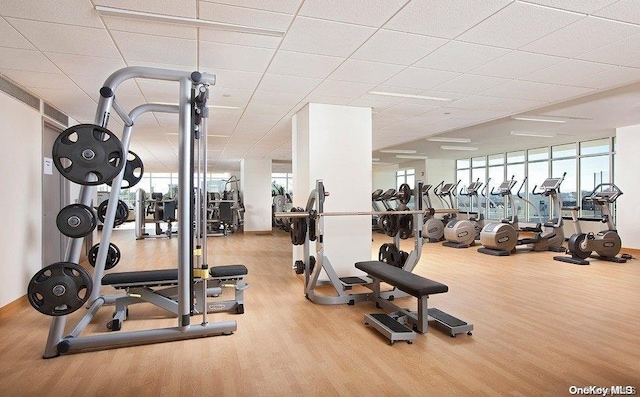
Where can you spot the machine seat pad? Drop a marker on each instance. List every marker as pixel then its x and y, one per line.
pixel 141 278
pixel 408 282
pixel 228 271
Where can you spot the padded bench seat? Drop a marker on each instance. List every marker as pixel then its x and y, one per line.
pixel 408 282
pixel 152 278
pixel 228 271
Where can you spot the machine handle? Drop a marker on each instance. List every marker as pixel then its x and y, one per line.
pixel 536 193
pixel 455 187
pixel 438 188
pixel 483 191
pixel 521 186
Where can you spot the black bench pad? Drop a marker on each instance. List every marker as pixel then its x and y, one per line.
pixel 408 282
pixel 228 271
pixel 142 277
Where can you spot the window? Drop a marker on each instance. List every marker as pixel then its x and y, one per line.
pixel 478 161
pixel 406 176
pixel 496 177
pixel 594 147
pixel 517 171
pixel 282 181
pixel 496 159
pixel 538 154
pixel 537 172
pixel 560 151
pixel 463 163
pixel 594 170
pixel 515 157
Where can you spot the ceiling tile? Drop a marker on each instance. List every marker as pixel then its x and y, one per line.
pixel 73 12
pixel 286 6
pixel 420 78
pixel 397 47
pixel 54 81
pixel 569 72
pixel 320 37
pixel 19 59
pixel 233 57
pixel 583 36
pixel 612 77
pixel 625 52
pixel 149 48
pixel 542 92
pixel 376 104
pixel 229 96
pixel 587 7
pixel 517 25
pixel 303 65
pixel 251 40
pixel 276 98
pixel 289 84
pixel 557 93
pixel 370 13
pixel 267 109
pixel 365 71
pixel 622 10
pixel 470 84
pixel 188 66
pixel 55 37
pixel 445 19
pixel 409 109
pixel 328 100
pixel 458 56
pixel 9 37
pixel 182 8
pixel 234 78
pixel 516 64
pixel 477 102
pixel 517 105
pixel 82 65
pixel 346 89
pixel 152 28
pixel 232 14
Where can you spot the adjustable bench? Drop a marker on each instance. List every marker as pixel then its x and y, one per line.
pixel 401 323
pixel 159 287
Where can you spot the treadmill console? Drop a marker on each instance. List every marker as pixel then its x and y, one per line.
pixel 551 184
pixel 474 187
pixel 447 188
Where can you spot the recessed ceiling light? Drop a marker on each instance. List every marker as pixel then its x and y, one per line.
pixel 400 95
pixel 409 156
pixel 375 159
pixel 534 134
pixel 445 139
pixel 470 148
pixel 218 136
pixel 398 151
pixel 534 118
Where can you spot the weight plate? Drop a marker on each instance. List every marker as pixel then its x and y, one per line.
pixel 390 254
pixel 133 170
pixel 406 226
pixel 59 289
pixel 404 193
pixel 87 149
pixel 113 256
pixel 122 212
pixel 76 220
pixel 390 224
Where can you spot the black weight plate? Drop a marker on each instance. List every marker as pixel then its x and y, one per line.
pixel 76 220
pixel 113 256
pixel 122 212
pixel 404 193
pixel 406 226
pixel 133 171
pixel 59 289
pixel 87 149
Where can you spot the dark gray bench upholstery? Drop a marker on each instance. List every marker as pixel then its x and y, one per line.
pixel 150 278
pixel 408 282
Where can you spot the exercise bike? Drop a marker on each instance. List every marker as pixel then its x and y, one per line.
pixel 606 243
pixel 462 233
pixel 433 228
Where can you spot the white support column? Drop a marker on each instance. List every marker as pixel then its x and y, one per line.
pixel 626 167
pixel 333 143
pixel 255 182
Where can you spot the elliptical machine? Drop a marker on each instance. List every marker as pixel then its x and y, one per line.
pixel 606 243
pixel 433 228
pixel 462 233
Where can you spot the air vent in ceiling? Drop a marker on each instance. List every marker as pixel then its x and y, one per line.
pixel 55 114
pixel 19 94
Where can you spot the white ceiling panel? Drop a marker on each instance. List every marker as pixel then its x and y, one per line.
pixel 409 109
pixel 234 78
pixel 55 37
pixel 420 78
pixel 183 8
pixel 316 36
pixel 9 37
pixel 517 89
pixel 575 5
pixel 158 88
pixel 82 65
pixel 345 89
pixel 516 64
pixel 149 48
pixel 517 25
pixel 365 71
pixel 385 119
pixel 445 19
pixel 517 105
pixel 569 72
pixel 303 65
pixel 257 109
pixel 229 97
pixel 187 67
pixel 251 40
pixel 625 52
pixel 370 13
pixel 557 93
pixel 458 56
pixel 92 84
pixel 74 12
pixel 377 103
pixel 244 16
pixel 329 100
pixel 613 77
pixel 622 10
pixel 583 36
pixel 470 84
pixel 286 6
pixel 152 28
pixel 276 98
pixel 288 84
pixel 19 59
pixel 477 102
pixel 233 57
pixel 54 81
pixel 397 47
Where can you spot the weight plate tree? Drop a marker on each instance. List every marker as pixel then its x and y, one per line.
pixel 76 220
pixel 59 289
pixel 87 149
pixel 133 171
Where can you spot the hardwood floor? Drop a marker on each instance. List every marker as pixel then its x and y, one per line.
pixel 541 326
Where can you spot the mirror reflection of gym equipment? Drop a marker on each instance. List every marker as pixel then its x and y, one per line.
pixel 157 211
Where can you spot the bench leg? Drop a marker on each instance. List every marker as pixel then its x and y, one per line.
pixel 423 317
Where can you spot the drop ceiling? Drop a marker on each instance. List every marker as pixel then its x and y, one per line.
pixel 576 61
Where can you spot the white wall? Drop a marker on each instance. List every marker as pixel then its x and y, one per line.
pixel 255 180
pixel 384 177
pixel 21 181
pixel 439 170
pixel 626 169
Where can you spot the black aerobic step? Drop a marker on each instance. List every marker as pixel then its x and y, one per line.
pixel 390 323
pixel 445 318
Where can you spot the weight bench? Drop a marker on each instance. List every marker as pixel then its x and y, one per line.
pixel 159 287
pixel 401 323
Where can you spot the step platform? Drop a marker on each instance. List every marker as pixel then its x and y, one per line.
pixel 349 282
pixel 452 324
pixel 389 327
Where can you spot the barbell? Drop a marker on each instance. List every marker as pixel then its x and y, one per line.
pixel 357 213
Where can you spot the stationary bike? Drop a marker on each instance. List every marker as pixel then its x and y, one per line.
pixel 462 233
pixel 606 243
pixel 433 228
